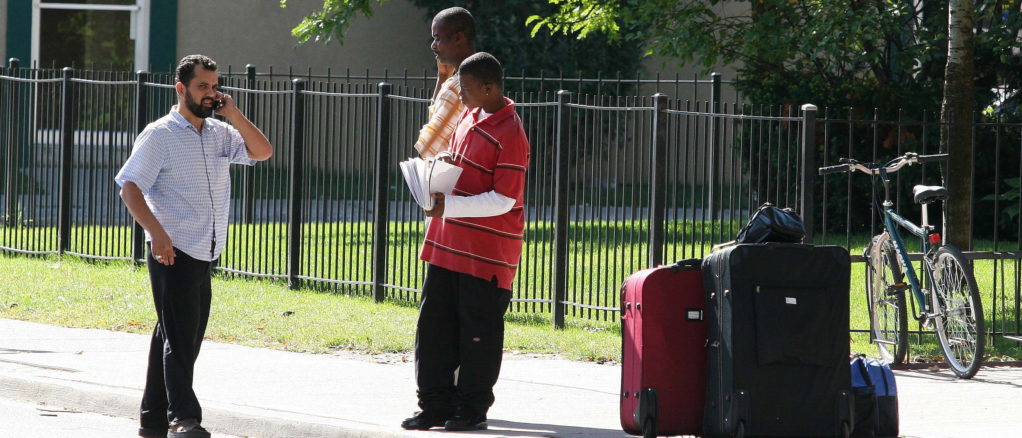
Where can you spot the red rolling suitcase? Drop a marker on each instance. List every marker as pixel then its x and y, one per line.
pixel 663 370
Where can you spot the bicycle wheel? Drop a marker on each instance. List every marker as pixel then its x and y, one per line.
pixel 885 290
pixel 959 320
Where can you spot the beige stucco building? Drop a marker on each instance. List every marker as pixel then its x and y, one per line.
pixel 233 32
pixel 239 33
pixel 236 33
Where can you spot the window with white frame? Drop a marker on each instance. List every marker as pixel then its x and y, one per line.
pixel 101 34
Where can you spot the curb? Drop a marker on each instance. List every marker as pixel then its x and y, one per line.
pixel 123 403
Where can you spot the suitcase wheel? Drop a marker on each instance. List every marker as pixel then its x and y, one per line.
pixel 646 413
pixel 649 427
pixel 740 430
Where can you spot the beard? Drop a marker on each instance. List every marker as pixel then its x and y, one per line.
pixel 198 108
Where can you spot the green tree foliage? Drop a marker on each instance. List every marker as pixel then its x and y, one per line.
pixel 869 54
pixel 502 32
pixel 886 54
pixel 329 24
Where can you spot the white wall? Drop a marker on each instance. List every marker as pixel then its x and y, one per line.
pixel 395 38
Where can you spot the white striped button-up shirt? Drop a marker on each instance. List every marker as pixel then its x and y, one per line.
pixel 444 111
pixel 183 175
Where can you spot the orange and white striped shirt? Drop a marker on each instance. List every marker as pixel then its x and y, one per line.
pixel 435 135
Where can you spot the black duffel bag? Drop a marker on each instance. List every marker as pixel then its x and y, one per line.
pixel 772 224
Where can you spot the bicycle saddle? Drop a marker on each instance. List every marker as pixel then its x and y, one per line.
pixel 928 194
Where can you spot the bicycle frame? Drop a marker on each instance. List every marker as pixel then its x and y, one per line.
pixel 891 222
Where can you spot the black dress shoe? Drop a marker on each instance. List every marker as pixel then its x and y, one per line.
pixel 424 420
pixel 462 422
pixel 148 432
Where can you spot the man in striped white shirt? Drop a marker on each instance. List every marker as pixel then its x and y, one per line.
pixel 454 38
pixel 177 186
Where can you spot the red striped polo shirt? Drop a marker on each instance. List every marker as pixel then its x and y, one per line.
pixel 494 154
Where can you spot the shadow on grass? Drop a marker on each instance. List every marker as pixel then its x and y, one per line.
pixel 544 320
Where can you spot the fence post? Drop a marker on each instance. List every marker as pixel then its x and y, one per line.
pixel 381 214
pixel 66 150
pixel 658 181
pixel 808 205
pixel 248 175
pixel 141 119
pixel 10 176
pixel 713 166
pixel 295 198
pixel 561 148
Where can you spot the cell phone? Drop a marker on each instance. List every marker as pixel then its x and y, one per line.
pixel 218 103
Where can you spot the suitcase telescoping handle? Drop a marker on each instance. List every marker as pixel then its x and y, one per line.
pixel 687 265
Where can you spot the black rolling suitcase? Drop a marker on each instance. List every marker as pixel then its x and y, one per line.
pixel 777 323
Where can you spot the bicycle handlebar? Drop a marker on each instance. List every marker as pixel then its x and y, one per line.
pixel 850 165
pixel 833 169
pixel 932 158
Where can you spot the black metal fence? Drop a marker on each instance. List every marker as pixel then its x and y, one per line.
pixel 612 84
pixel 616 182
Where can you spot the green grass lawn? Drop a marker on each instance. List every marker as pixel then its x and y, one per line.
pixel 327 316
pixel 116 296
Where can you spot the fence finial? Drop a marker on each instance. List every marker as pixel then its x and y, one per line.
pixel 808 181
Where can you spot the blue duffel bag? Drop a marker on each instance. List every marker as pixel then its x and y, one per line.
pixel 876 398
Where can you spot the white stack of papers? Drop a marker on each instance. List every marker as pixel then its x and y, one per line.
pixel 425 177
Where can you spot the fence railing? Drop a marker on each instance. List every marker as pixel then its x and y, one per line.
pixel 691 88
pixel 616 183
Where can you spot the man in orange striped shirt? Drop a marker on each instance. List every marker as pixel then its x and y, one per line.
pixel 454 35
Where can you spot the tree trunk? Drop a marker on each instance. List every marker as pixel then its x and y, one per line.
pixel 956 116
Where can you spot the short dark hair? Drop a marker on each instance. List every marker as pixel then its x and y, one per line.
pixel 458 20
pixel 485 67
pixel 186 68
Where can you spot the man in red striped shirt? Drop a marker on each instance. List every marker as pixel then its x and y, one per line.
pixel 473 247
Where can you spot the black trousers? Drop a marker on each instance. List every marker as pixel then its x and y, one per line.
pixel 459 341
pixel 182 296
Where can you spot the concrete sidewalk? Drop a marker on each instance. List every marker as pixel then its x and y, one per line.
pixel 266 394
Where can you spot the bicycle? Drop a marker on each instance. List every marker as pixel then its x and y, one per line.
pixel 951 306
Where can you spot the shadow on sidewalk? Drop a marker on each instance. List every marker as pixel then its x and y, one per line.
pixel 512 428
pixel 946 376
pixel 16 351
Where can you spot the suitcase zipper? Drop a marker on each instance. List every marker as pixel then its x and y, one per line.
pixel 720 363
pixel 720 358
